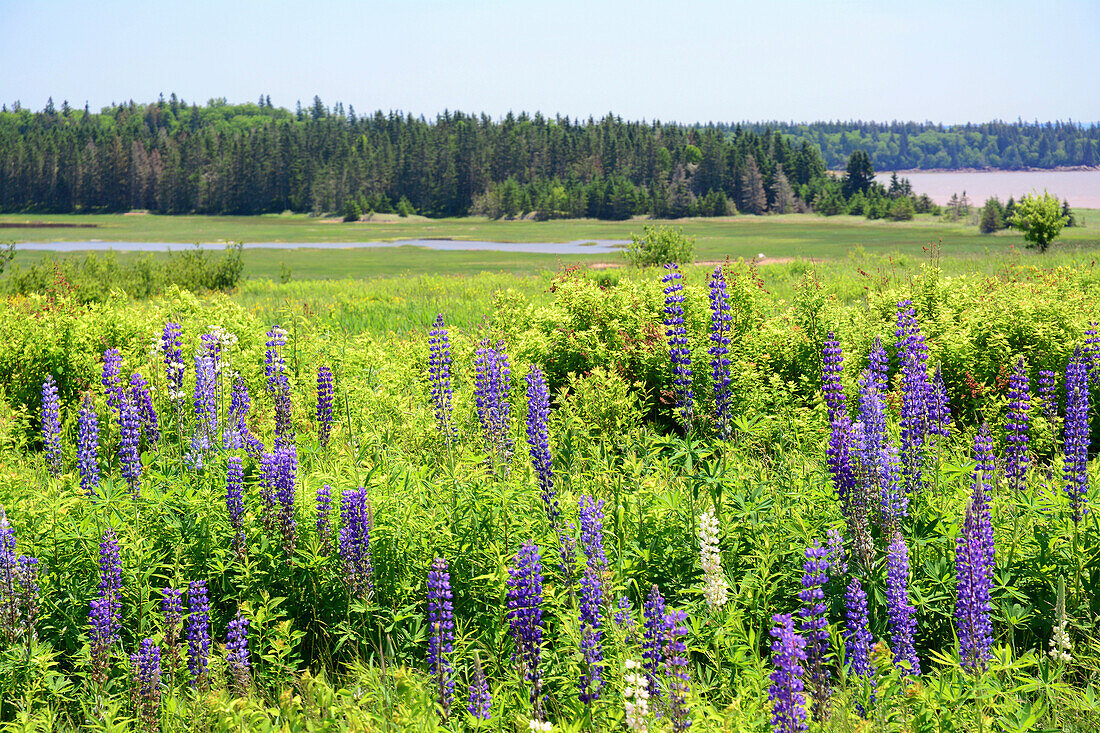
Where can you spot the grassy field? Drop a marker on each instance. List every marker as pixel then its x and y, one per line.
pixel 773 237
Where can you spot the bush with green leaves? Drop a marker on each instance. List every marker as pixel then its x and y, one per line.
pixel 659 245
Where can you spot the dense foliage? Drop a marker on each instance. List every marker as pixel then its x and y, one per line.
pixel 309 529
pixel 913 145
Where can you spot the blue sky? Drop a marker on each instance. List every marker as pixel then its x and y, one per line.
pixel 685 61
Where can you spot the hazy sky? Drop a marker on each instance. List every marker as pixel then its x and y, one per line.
pixel 946 61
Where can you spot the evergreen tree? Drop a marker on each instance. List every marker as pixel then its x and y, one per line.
pixel 860 174
pixel 753 200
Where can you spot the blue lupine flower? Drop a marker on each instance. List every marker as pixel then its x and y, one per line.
pixel 679 352
pixel 324 524
pixel 236 653
pixel 355 529
pixel 786 691
pixel 237 434
pixel 1048 380
pixel 975 564
pixel 903 624
pixel 112 384
pixel 278 386
pixel 878 365
pixel 1016 426
pixel 653 613
pixel 538 441
pixel 143 403
pixel 146 684
pixel 198 633
pixel 857 634
pixel 324 405
pixel 839 451
pixel 719 352
pixel 171 345
pixel 591 517
pixel 815 625
pixel 591 601
pixel 51 425
pixel 675 653
pixel 87 448
pixel 171 611
pixel 129 443
pixel 492 382
pixel 480 702
pixel 439 377
pixel 234 501
pixel 525 618
pixel 441 621
pixel 1076 440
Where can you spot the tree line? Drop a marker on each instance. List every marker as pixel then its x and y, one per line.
pixel 917 145
pixel 220 158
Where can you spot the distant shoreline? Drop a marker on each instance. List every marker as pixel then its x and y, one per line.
pixel 1057 169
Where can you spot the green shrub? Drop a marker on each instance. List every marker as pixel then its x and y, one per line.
pixel 659 245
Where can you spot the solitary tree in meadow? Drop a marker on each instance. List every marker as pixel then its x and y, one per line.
pixel 1039 218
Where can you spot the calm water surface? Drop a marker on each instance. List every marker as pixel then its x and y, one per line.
pixel 1080 188
pixel 579 247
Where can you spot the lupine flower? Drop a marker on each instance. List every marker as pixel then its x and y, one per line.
pixel 624 618
pixel 1060 644
pixel 145 666
pixel 480 702
pixel 112 385
pixel 1076 440
pixel 104 614
pixel 129 444
pixel 51 425
pixel 715 587
pixel 324 524
pixel 786 690
pixel 171 611
pixel 493 380
pixel 679 352
pixel 635 697
pixel 237 434
pixel 939 411
pixel 355 529
pixel 234 501
pixel 278 476
pixel 143 403
pixel 171 346
pixel 324 405
pixel 857 634
pixel 591 517
pixel 878 365
pixel 87 449
pixel 525 618
pixel 815 625
pixel 278 386
pixel 9 579
pixel 877 469
pixel 903 625
pixel 916 393
pixel 198 633
pixel 441 620
pixel 1091 352
pixel 26 596
pixel 1019 404
pixel 653 613
pixel 538 440
pixel 836 558
pixel 840 434
pixel 205 402
pixel 1048 380
pixel 236 654
pixel 974 565
pixel 591 600
pixel 719 351
pixel 675 653
pixel 439 377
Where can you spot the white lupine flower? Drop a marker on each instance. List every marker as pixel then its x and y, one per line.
pixel 538 725
pixel 635 697
pixel 1060 645
pixel 716 588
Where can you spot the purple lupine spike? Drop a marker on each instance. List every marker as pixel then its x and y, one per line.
pixel 143 401
pixel 538 441
pixel 1016 426
pixel 236 654
pixel 590 682
pixel 51 425
pixel 480 702
pixel 893 499
pixel 237 434
pixel 9 570
pixel 492 385
pixel 839 451
pixel 1091 352
pixel 720 319
pixel 205 402
pixel 836 558
pixel 441 621
pixel 878 366
pixel 675 653
pixel 324 523
pixel 87 449
pixel 1048 381
pixel 145 665
pixel 1076 436
pixel 171 345
pixel 624 618
pixel 975 564
pixel 26 596
pixel 903 624
pixel 679 352
pixel 591 517
pixel 234 501
pixel 439 377
pixel 815 625
pixel 111 381
pixel 285 493
pixel 105 611
pixel 278 386
pixel 525 619
pixel 324 405
pixel 857 634
pixel 914 419
pixel 653 613
pixel 198 634
pixel 355 529
pixel 939 408
pixel 129 443
pixel 171 611
pixel 786 691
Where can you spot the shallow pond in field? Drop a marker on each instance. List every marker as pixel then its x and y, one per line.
pixel 1080 188
pixel 578 247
